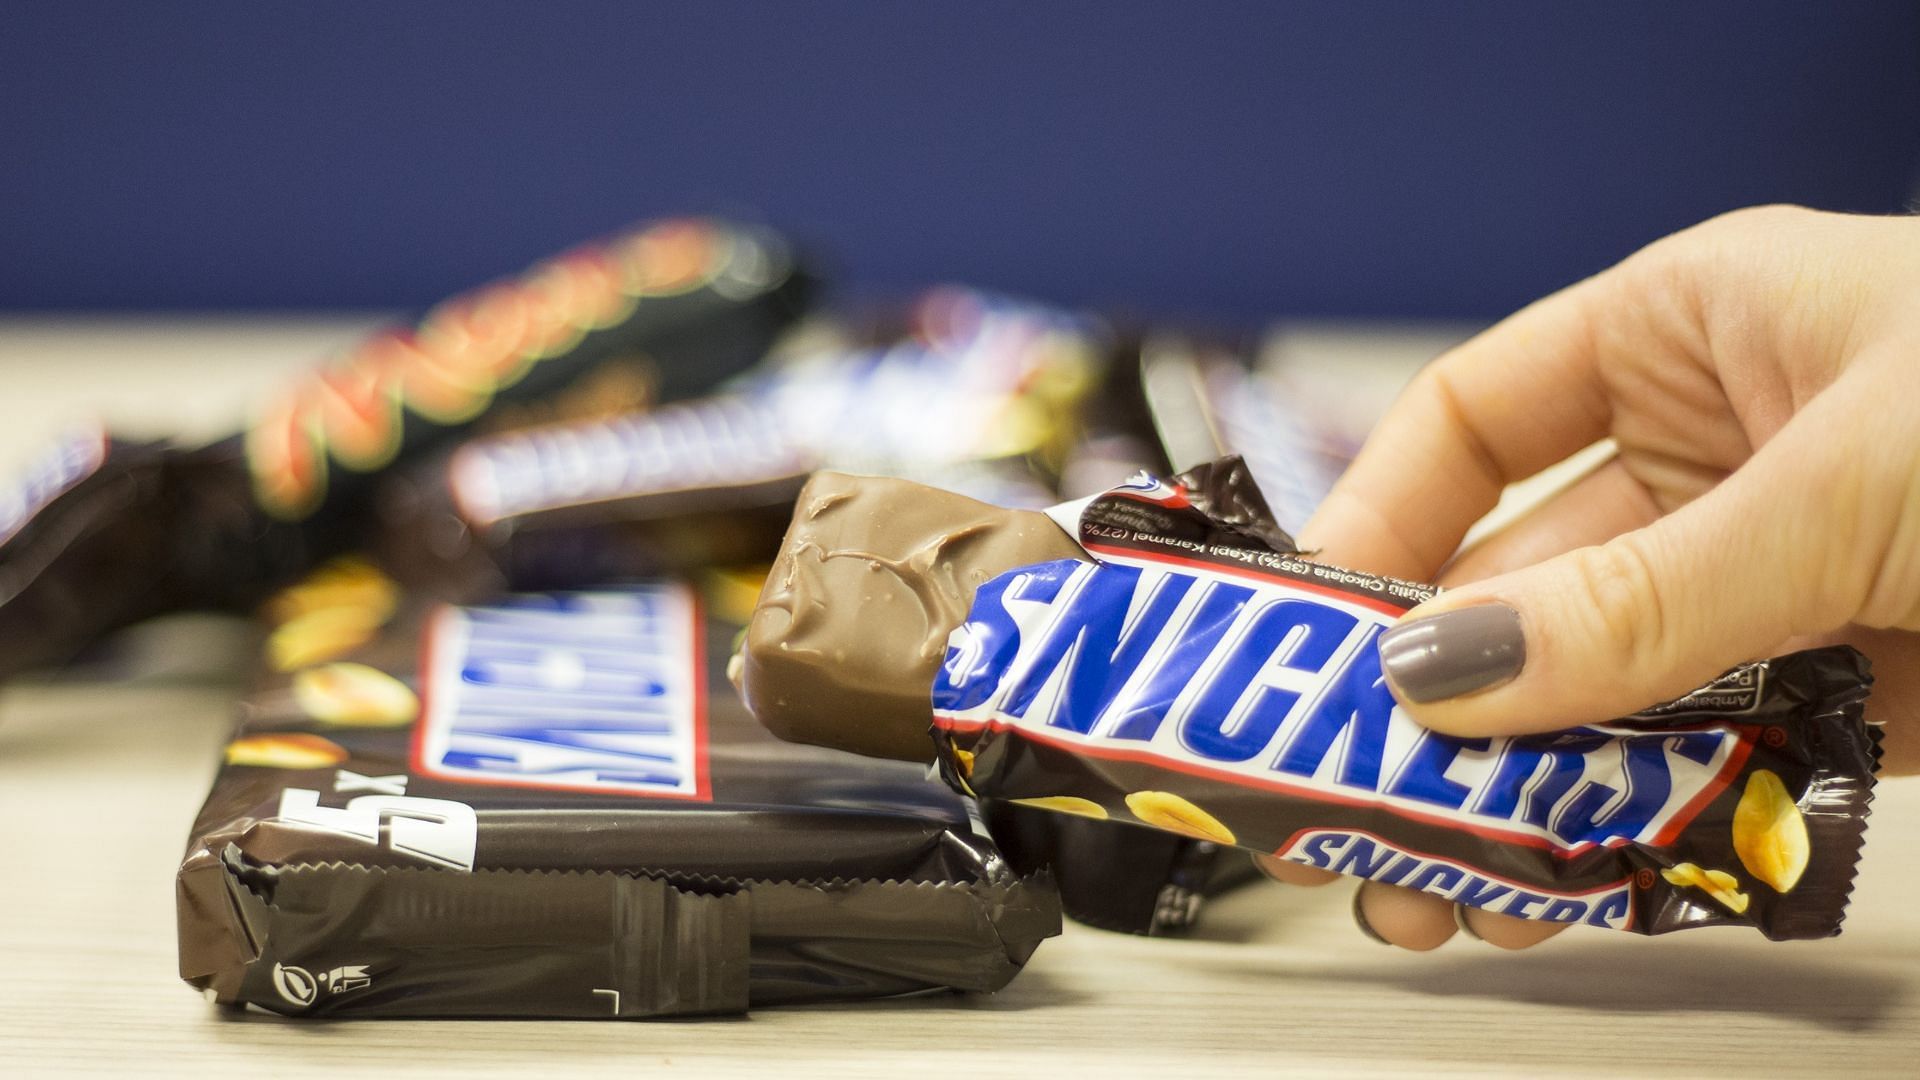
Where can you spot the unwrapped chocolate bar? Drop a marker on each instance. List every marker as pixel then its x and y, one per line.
pixel 549 805
pixel 873 576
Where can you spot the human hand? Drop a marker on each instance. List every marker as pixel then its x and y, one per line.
pixel 1758 374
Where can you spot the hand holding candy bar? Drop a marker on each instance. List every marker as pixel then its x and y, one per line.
pixel 1180 665
pixel 1756 374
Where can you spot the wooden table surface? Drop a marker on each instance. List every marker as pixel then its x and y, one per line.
pixel 98 782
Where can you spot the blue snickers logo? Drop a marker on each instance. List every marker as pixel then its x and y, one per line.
pixel 1267 683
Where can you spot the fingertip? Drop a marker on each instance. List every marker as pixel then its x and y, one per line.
pixel 1348 530
pixel 1292 873
pixel 1459 670
pixel 1360 919
pixel 1517 706
pixel 1462 719
pixel 1435 656
pixel 1411 920
pixel 1505 931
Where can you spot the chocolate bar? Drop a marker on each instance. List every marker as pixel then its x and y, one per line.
pixel 547 805
pixel 873 576
pixel 1201 679
pixel 1198 675
pixel 858 676
pixel 115 532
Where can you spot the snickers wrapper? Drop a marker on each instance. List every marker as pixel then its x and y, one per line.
pixel 549 805
pixel 1115 875
pixel 1198 676
pixel 103 532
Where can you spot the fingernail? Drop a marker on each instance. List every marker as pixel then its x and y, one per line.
pixel 1453 653
pixel 1360 920
pixel 1460 920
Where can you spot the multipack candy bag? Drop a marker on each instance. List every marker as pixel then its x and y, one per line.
pixel 537 805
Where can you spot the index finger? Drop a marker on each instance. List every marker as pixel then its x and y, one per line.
pixel 1499 408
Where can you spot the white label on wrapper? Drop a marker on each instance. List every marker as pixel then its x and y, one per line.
pixel 71 459
pixel 679 447
pixel 584 691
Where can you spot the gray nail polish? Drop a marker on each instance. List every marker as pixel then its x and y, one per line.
pixel 1454 652
pixel 1366 927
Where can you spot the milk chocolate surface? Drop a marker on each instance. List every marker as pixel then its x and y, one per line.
pixel 872 577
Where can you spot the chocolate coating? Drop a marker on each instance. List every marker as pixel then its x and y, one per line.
pixel 872 577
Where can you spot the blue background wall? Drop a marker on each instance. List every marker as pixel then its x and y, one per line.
pixel 1226 160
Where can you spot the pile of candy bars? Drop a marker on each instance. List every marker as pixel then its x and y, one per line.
pixel 639 637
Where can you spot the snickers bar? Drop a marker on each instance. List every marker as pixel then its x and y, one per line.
pixel 1198 676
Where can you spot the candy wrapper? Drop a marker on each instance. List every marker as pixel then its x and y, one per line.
pixel 972 391
pixel 547 805
pixel 1115 875
pixel 1181 666
pixel 976 392
pixel 1205 403
pixel 979 393
pixel 1197 676
pixel 106 532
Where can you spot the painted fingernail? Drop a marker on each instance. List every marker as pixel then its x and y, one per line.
pixel 1460 920
pixel 1454 653
pixel 1360 920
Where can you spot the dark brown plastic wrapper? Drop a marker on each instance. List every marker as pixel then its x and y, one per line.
pixel 1116 875
pixel 790 874
pixel 1766 833
pixel 661 313
pixel 712 485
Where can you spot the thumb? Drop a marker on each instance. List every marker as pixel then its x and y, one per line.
pixel 1604 631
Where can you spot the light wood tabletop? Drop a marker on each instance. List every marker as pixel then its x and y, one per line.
pixel 98 782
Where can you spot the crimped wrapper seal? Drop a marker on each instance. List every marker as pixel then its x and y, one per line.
pixel 547 805
pixel 1203 678
pixel 343 940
